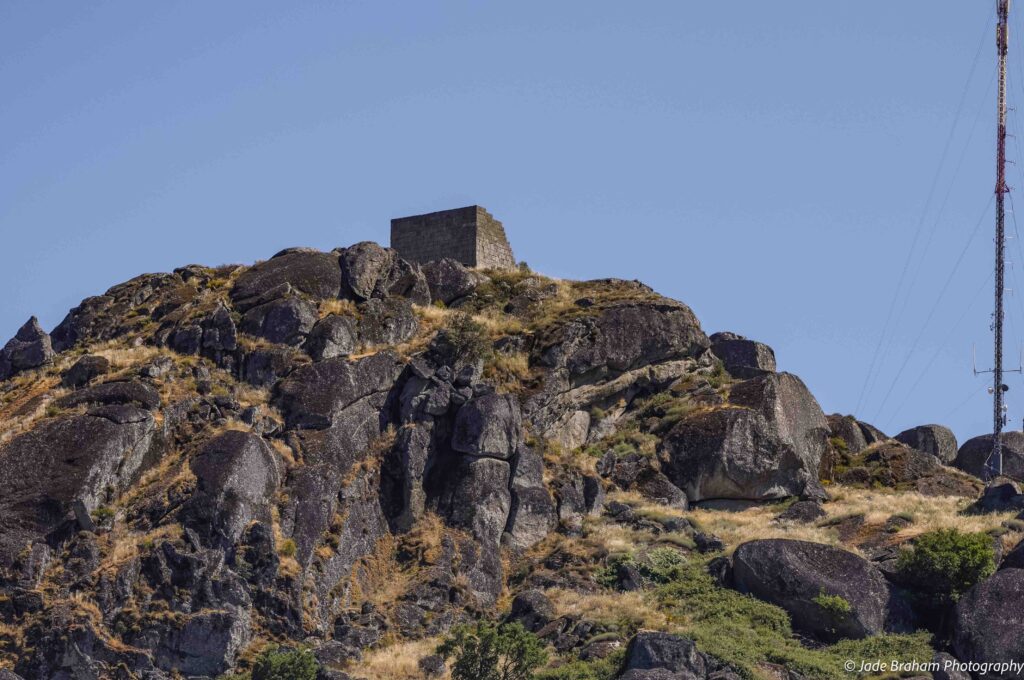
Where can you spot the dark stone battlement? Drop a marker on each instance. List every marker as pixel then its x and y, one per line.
pixel 470 235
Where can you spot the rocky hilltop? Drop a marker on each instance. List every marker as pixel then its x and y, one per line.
pixel 350 453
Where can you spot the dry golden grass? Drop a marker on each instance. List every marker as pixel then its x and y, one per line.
pixel 508 372
pixel 609 607
pixel 498 324
pixel 929 513
pixel 122 357
pixel 396 662
pixel 339 307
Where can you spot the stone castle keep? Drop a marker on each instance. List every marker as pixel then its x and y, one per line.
pixel 470 235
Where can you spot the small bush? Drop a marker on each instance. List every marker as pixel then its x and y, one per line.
pixel 279 663
pixel 287 548
pixel 946 563
pixel 839 444
pixel 836 605
pixel 466 338
pixel 491 652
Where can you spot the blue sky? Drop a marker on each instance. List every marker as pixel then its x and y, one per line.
pixel 767 163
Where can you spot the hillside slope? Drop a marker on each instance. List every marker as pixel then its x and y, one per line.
pixel 348 452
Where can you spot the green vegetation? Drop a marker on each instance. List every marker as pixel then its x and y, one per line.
pixel 488 651
pixel 279 663
pixel 745 632
pixel 839 444
pixel 287 548
pixel 945 563
pixel 467 338
pixel 595 669
pixel 836 605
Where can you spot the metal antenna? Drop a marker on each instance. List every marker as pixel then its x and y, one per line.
pixel 994 464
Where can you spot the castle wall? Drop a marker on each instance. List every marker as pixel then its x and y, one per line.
pixel 470 235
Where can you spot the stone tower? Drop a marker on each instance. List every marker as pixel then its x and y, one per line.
pixel 470 235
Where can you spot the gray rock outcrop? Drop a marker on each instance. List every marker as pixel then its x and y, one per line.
pixel 741 357
pixel 792 574
pixel 768 446
pixel 974 452
pixel 934 439
pixel 29 348
pixel 988 620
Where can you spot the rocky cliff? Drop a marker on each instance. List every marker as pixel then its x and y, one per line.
pixel 353 453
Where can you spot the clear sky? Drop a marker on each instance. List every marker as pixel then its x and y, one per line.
pixel 767 163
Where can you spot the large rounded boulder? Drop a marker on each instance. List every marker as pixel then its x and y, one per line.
pixel 829 593
pixel 308 271
pixel 989 619
pixel 934 439
pixel 767 444
pixel 972 455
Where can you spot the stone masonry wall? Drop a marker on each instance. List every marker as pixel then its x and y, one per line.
pixel 470 235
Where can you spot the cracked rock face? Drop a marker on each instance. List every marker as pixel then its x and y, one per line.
pixel 65 464
pixel 768 447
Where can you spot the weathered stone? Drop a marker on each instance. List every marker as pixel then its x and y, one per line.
pixel 264 367
pixel 314 273
pixel 849 430
pixel 663 656
pixel 792 574
pixel 390 321
pixel 972 455
pixel 624 336
pixel 405 280
pixel 286 320
pixel 29 348
pixel 636 472
pixel 84 370
pixel 63 462
pixel 236 474
pixel 802 512
pixel 934 439
pixel 490 425
pixel 312 395
pixel 531 516
pixel 768 446
pixel 449 280
pixel 988 620
pixel 126 392
pixel 741 357
pixel 872 435
pixel 363 266
pixel 333 336
pixel 405 468
pixel 533 609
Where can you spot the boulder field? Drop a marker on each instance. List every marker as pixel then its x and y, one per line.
pixel 345 450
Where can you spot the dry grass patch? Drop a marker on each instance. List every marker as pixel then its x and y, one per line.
pixel 611 607
pixel 122 357
pixel 877 506
pixel 339 307
pixel 396 662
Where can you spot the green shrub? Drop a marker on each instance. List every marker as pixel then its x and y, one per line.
pixel 466 338
pixel 946 562
pixel 287 548
pixel 488 651
pixel 285 664
pixel 746 633
pixel 595 669
pixel 836 605
pixel 839 444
